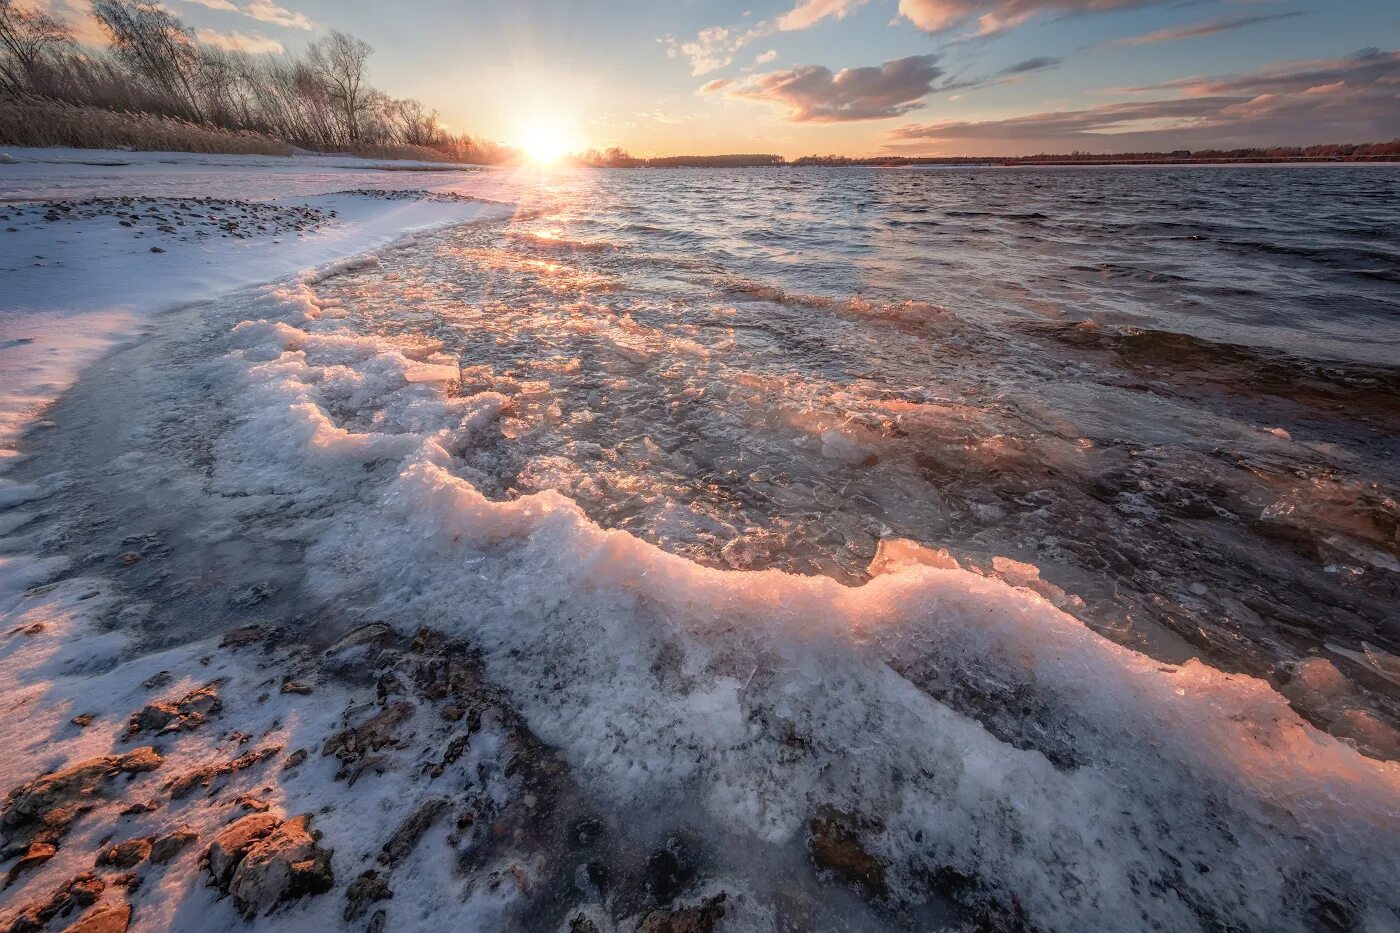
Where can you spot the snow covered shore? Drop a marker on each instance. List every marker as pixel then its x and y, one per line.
pixel 82 269
pixel 271 659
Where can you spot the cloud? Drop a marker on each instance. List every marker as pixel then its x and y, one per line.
pixel 1197 30
pixel 1039 63
pixel 997 15
pixel 1323 100
pixel 814 94
pixel 714 47
pixel 264 11
pixel 808 13
pixel 766 57
pixel 236 41
pixel 267 12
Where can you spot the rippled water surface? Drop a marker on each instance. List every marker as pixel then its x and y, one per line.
pixel 1173 394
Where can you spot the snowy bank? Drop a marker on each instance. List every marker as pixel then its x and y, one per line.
pixel 76 281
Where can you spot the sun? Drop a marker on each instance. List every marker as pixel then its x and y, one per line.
pixel 545 143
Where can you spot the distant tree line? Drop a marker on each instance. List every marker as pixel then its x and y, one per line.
pixel 618 158
pixel 1345 151
pixel 155 66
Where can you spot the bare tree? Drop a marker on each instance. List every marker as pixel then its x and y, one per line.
pixel 155 44
pixel 339 61
pixel 416 124
pixel 27 38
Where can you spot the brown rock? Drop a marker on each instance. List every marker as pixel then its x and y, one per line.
pixel 286 864
pixel 189 712
pixel 181 785
pixel 83 720
pixel 700 918
pixel 233 843
pixel 835 844
pixel 295 758
pixel 402 842
pixel 125 854
pixel 37 854
pixel 110 917
pixel 167 847
pixel 241 637
pixel 42 809
pixel 363 891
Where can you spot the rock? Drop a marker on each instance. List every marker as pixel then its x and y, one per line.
pixel 37 854
pixel 669 870
pixel 700 918
pixel 406 837
pixel 294 759
pixel 181 785
pixel 185 714
pixel 233 843
pixel 292 686
pixel 167 847
pixel 377 922
pixel 80 891
pixel 156 249
pixel 109 917
pixel 159 679
pixel 42 809
pixel 285 864
pixel 373 633
pixel 243 636
pixel 351 745
pixel 835 845
pixel 83 720
pixel 363 891
pixel 125 854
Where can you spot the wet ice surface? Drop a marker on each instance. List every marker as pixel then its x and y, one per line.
pixel 558 440
pixel 713 385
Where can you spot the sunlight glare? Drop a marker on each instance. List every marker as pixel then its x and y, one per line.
pixel 545 143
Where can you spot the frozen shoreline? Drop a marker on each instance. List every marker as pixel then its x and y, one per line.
pixel 75 287
pixel 538 723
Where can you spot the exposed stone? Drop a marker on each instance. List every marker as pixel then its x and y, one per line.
pixel 292 686
pixel 373 633
pixel 80 891
pixel 108 917
pixel 835 844
pixel 367 889
pixel 353 744
pixel 285 864
pixel 37 854
pixel 700 918
pixel 167 847
pixel 181 785
pixel 41 810
pixel 233 843
pixel 189 712
pixel 125 854
pixel 402 842
pixel 158 679
pixel 669 870
pixel 83 720
pixel 377 922
pixel 294 759
pixel 243 636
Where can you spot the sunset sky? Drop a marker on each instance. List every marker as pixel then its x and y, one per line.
pixel 868 76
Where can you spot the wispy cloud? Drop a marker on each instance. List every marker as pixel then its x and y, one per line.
pixel 1334 99
pixel 1039 63
pixel 996 15
pixel 715 47
pixel 808 13
pixel 236 41
pixel 1197 30
pixel 264 11
pixel 816 94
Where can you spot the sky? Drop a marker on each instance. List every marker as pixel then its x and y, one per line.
pixel 866 77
